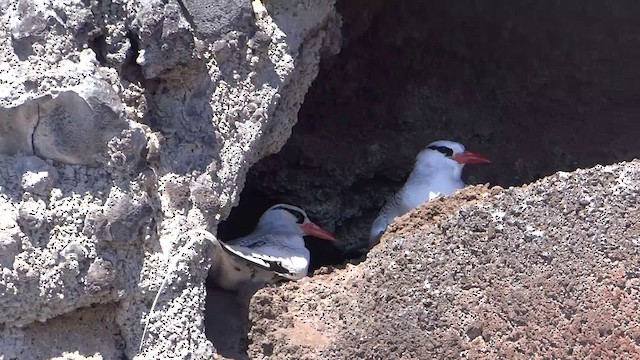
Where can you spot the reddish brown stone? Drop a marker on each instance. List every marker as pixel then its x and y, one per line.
pixel 549 270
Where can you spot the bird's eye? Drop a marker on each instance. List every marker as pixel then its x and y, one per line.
pixel 442 149
pixel 299 216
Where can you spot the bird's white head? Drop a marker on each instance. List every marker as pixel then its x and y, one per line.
pixel 292 215
pixel 447 154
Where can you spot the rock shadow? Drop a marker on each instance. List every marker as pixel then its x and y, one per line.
pixel 227 321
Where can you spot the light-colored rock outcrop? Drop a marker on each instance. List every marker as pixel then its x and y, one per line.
pixel 548 270
pixel 123 125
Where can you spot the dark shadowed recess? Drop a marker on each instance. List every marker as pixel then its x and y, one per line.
pixel 537 86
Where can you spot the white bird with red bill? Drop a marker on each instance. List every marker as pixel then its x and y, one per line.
pixel 437 172
pixel 275 250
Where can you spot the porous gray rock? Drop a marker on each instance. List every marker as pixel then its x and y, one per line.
pixel 72 131
pixel 166 38
pixel 38 176
pixel 121 218
pixel 547 270
pixel 10 234
pixel 16 128
pixel 122 128
pixel 100 276
pixel 213 18
pixel 38 341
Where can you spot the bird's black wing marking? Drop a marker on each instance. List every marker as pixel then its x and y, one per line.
pixel 248 249
pixel 277 267
pixel 237 254
pixel 256 244
pixel 262 261
pixel 252 241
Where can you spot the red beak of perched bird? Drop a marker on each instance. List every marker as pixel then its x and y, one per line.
pixel 312 229
pixel 469 157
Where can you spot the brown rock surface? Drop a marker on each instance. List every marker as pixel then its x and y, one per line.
pixel 548 270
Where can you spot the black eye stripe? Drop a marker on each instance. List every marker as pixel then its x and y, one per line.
pixel 299 216
pixel 443 149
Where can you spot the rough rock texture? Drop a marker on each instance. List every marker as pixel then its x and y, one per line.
pixel 537 87
pixel 549 270
pixel 122 125
pixel 93 330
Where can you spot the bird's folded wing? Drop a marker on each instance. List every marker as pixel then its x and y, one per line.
pixel 266 262
pixel 255 240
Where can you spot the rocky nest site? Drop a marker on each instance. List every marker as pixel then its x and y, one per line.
pixel 124 125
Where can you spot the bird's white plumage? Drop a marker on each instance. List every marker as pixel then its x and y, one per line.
pixel 274 250
pixel 434 174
